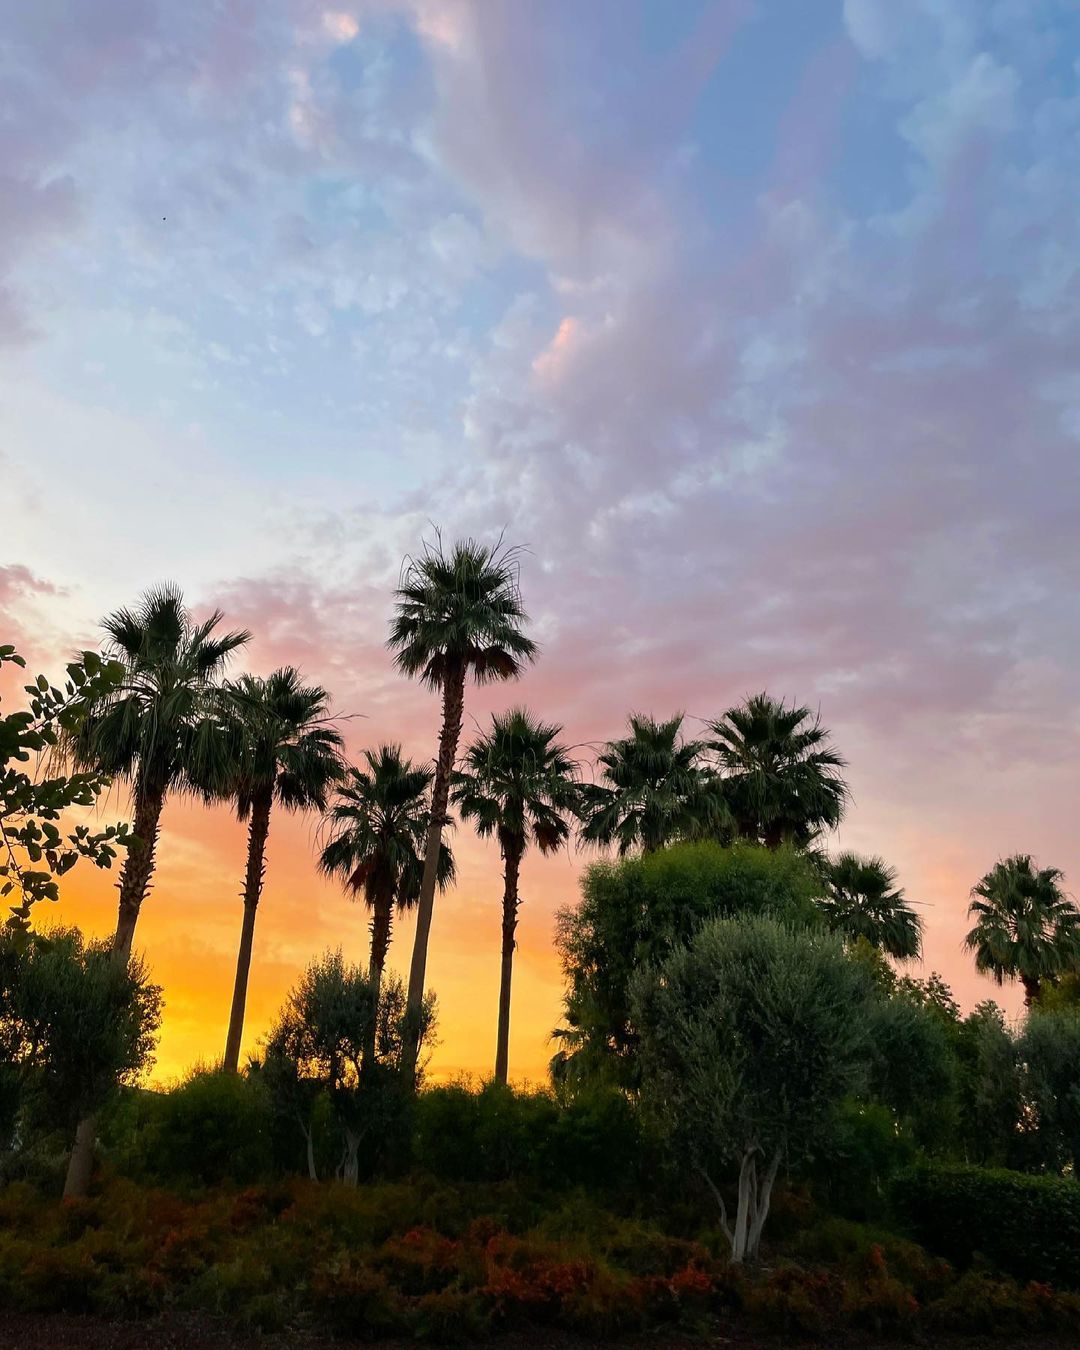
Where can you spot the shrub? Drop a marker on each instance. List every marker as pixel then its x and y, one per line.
pixel 1027 1226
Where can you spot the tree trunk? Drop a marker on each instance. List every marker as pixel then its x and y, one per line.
pixel 258 830
pixel 134 883
pixel 138 866
pixel 81 1162
pixel 453 709
pixel 1031 989
pixel 512 851
pixel 381 922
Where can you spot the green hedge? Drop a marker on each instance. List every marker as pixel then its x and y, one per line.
pixel 1026 1225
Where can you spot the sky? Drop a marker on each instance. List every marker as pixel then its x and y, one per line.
pixel 755 323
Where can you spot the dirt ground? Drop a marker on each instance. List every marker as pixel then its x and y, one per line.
pixel 22 1331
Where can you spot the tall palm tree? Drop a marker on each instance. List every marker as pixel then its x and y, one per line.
pixel 156 732
pixel 285 752
pixel 457 614
pixel 1026 928
pixel 378 825
pixel 520 785
pixel 781 776
pixel 653 790
pixel 864 901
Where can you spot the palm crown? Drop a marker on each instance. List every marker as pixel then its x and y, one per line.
pixel 518 783
pixel 864 901
pixel 1025 928
pixel 284 747
pixel 156 725
pixel 378 824
pixel 460 613
pixel 653 789
pixel 781 777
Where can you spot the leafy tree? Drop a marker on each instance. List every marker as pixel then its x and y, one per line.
pixel 1025 927
pixel 752 1037
pixel 1050 1049
pixel 635 911
pixel 74 1024
pixel 782 778
pixel 284 751
pixel 653 790
pixel 34 853
pixel 458 614
pixel 990 1088
pixel 520 785
pixel 914 1068
pixel 378 824
pixel 317 1048
pixel 864 901
pixel 155 729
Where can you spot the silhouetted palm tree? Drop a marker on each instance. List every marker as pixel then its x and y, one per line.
pixel 864 901
pixel 1026 928
pixel 520 785
pixel 781 777
pixel 458 614
pixel 653 790
pixel 156 732
pixel 286 752
pixel 378 825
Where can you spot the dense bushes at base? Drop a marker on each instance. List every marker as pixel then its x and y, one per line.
pixel 1026 1225
pixel 445 1263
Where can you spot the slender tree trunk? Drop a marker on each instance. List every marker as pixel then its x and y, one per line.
pixel 258 829
pixel 1031 989
pixel 134 883
pixel 381 922
pixel 453 709
pixel 138 866
pixel 512 851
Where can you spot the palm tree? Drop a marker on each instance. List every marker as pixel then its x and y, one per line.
pixel 781 777
pixel 156 732
pixel 864 901
pixel 285 752
pixel 520 785
pixel 653 790
pixel 1026 928
pixel 378 827
pixel 458 614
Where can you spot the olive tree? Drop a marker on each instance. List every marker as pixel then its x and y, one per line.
pixel 1050 1050
pixel 751 1037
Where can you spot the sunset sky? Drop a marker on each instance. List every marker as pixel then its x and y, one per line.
pixel 757 324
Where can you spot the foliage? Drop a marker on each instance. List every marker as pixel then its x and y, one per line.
pixel 378 822
pixel 1025 927
pixel 864 901
pixel 74 1023
pixel 752 1037
pixel 1050 1049
pixel 1028 1226
pixel 782 778
pixel 913 1067
pixel 653 790
pixel 636 911
pixel 30 805
pixel 990 1087
pixel 317 1047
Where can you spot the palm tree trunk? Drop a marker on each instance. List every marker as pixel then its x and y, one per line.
pixel 258 830
pixel 512 858
pixel 453 710
pixel 381 921
pixel 138 866
pixel 134 883
pixel 1031 989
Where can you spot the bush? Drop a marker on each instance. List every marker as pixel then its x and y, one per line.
pixel 210 1128
pixel 1027 1226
